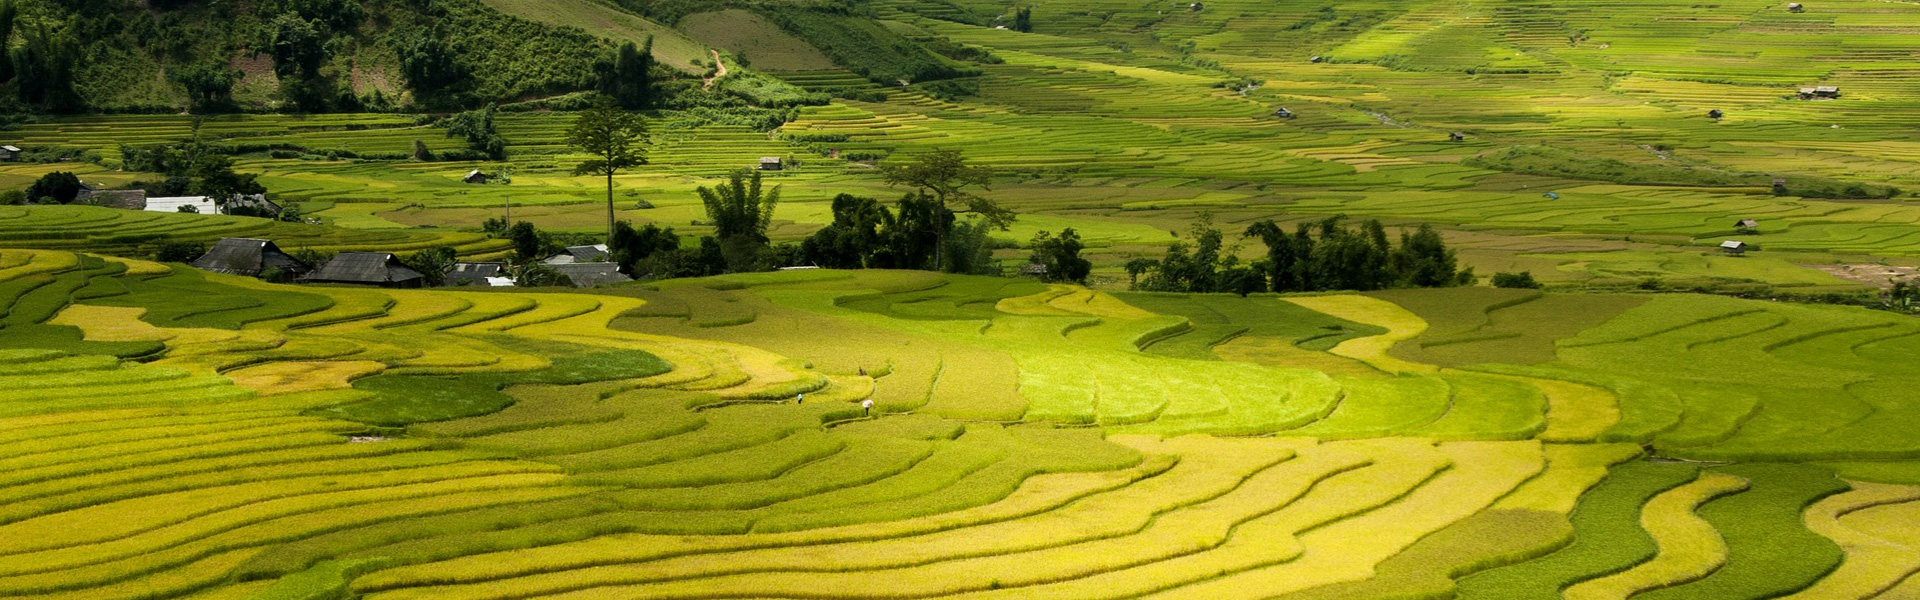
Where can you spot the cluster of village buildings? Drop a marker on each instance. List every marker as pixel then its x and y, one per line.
pixel 585 266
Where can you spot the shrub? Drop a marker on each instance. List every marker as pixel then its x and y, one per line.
pixel 1523 279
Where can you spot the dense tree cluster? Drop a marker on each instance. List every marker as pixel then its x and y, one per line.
pixel 476 128
pixel 626 75
pixel 1058 258
pixel 1324 255
pixel 191 168
pixel 740 211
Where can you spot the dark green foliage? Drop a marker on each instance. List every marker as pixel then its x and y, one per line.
pixel 430 66
pixel 59 186
pixel 476 128
pixel 1607 537
pixel 1523 279
pixel 1206 269
pixel 9 13
pixel 44 68
pixel 863 45
pixel 1770 551
pixel 1325 255
pixel 209 85
pixel 175 251
pixel 1059 257
pixel 432 264
pixel 635 249
pixel 627 75
pixel 298 45
pixel 944 175
pixel 865 234
pixel 400 400
pixel 1023 20
pixel 740 211
pixel 528 244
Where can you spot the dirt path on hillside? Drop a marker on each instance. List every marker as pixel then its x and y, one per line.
pixel 719 70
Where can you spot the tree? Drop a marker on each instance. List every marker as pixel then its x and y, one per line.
pixel 9 12
pixel 298 46
pixel 1523 280
pixel 625 75
pixel 44 70
pixel 633 249
pixel 1023 20
pixel 740 211
pixel 944 176
pixel 432 264
pixel 215 178
pixel 527 241
pixel 1060 256
pixel 60 186
pixel 616 138
pixel 431 68
pixel 477 129
pixel 209 85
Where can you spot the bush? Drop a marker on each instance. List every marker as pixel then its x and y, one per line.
pixel 1523 279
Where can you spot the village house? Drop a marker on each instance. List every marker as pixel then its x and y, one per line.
pixel 121 199
pixel 772 163
pixel 1824 92
pixel 1283 113
pixel 9 153
pixel 253 204
pixel 474 176
pixel 250 257
pixel 590 274
pixel 1747 226
pixel 1795 7
pixel 578 254
pixel 366 268
pixel 1733 247
pixel 479 274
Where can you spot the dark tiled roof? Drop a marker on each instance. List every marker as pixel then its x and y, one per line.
pixel 378 268
pixel 474 273
pixel 249 257
pixel 591 274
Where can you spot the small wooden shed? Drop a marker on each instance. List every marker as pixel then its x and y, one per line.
pixel 1733 247
pixel 1716 114
pixel 772 163
pixel 1283 113
pixel 9 153
pixel 475 176
pixel 1747 225
pixel 1795 7
pixel 1456 137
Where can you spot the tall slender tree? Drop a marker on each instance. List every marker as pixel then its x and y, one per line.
pixel 616 139
pixel 945 177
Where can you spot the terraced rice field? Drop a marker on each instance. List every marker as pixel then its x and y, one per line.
pixel 172 434
pixel 167 433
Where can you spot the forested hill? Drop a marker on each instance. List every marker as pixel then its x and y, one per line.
pixel 66 56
